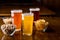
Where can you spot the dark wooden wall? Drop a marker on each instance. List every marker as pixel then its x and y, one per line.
pixel 47 3
pixel 51 4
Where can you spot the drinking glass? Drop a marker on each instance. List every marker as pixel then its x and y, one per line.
pixel 17 18
pixel 36 13
pixel 28 24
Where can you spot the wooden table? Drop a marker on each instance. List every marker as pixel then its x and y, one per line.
pixel 37 35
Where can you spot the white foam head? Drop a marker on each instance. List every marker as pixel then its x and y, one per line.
pixel 16 10
pixel 12 12
pixel 34 9
pixel 30 14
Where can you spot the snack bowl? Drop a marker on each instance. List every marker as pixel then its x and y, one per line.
pixel 8 29
pixel 7 20
pixel 41 25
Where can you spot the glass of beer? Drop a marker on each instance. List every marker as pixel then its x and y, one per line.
pixel 28 24
pixel 36 13
pixel 17 18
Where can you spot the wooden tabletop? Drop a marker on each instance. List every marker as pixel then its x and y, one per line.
pixel 37 35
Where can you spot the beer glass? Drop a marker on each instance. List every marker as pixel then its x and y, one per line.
pixel 28 24
pixel 36 13
pixel 17 18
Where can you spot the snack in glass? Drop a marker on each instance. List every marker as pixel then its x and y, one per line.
pixel 8 29
pixel 41 25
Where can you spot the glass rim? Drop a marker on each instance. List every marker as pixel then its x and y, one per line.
pixel 34 9
pixel 28 14
pixel 16 10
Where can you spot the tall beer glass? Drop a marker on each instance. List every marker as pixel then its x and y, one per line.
pixel 17 18
pixel 28 24
pixel 36 13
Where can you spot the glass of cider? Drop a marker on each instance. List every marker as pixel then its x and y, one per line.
pixel 17 18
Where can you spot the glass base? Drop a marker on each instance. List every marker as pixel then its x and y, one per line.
pixel 18 30
pixel 44 29
pixel 27 34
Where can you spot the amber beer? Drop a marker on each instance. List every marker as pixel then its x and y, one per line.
pixel 36 13
pixel 17 18
pixel 28 24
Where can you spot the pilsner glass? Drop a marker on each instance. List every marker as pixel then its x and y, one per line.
pixel 17 18
pixel 28 24
pixel 36 13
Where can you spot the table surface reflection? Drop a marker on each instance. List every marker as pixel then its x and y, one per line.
pixel 37 35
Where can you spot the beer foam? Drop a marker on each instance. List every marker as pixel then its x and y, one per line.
pixel 30 14
pixel 6 20
pixel 34 9
pixel 12 14
pixel 16 11
pixel 13 11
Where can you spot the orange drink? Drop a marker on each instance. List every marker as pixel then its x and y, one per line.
pixel 28 24
pixel 17 18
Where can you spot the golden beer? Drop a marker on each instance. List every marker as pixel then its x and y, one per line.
pixel 28 24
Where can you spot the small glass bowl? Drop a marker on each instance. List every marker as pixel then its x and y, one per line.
pixel 8 29
pixel 7 20
pixel 41 25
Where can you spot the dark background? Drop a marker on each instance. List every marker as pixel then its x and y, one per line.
pixel 53 5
